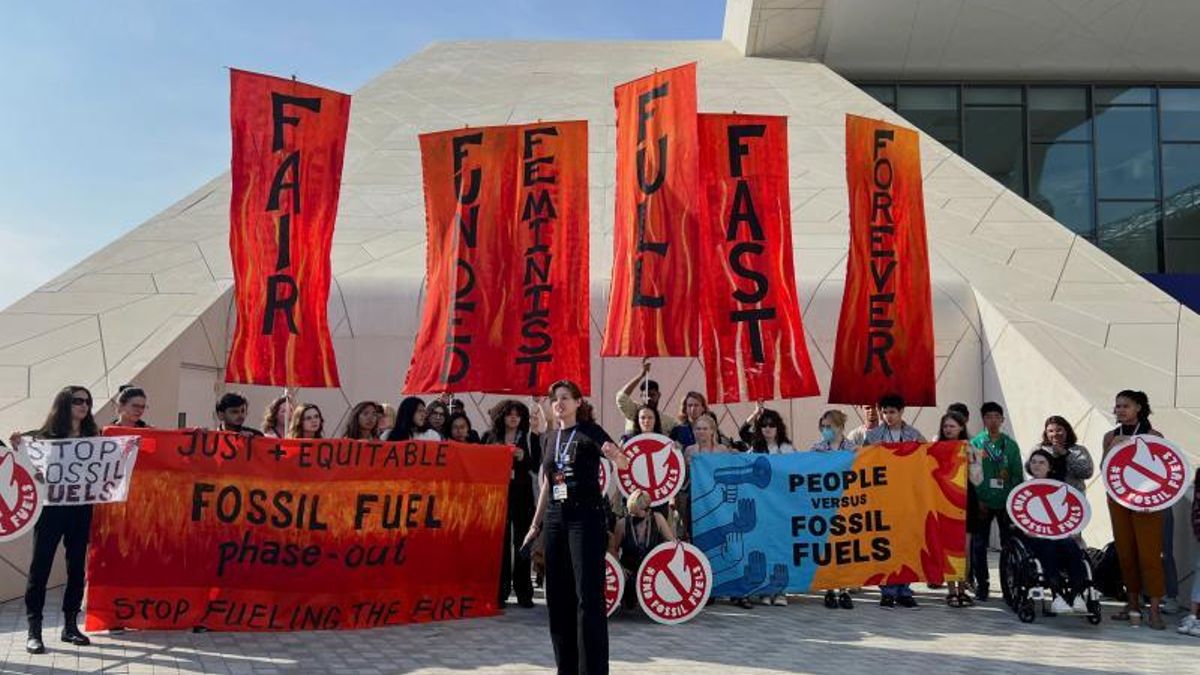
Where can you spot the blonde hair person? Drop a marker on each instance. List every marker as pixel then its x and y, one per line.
pixel 832 426
pixel 634 536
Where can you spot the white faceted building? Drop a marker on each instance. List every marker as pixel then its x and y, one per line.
pixel 1027 312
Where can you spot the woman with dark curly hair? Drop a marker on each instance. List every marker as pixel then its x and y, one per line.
pixel 511 427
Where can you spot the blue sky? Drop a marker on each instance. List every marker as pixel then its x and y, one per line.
pixel 114 110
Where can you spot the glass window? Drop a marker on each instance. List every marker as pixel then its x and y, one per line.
pixel 1181 191
pixel 933 110
pixel 1124 96
pixel 1060 184
pixel 1125 145
pixel 1058 114
pixel 884 93
pixel 1180 114
pixel 992 96
pixel 1183 255
pixel 995 143
pixel 1129 233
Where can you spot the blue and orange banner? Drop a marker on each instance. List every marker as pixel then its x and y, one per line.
pixel 820 520
pixel 260 534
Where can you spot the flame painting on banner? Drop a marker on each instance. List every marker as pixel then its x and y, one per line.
pixel 885 334
pixel 506 211
pixel 289 139
pixel 652 308
pixel 752 333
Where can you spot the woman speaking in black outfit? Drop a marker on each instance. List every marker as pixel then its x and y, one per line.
pixel 570 501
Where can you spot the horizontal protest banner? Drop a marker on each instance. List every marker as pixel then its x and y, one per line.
pixel 84 470
pixel 822 520
pixel 235 534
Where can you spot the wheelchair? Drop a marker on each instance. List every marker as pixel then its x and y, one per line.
pixel 1026 588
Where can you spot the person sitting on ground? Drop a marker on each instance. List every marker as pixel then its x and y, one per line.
pixel 650 396
pixel 231 415
pixel 1058 556
pixel 636 535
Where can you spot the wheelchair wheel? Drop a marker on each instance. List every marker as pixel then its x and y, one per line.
pixel 1010 575
pixel 1026 611
pixel 1094 612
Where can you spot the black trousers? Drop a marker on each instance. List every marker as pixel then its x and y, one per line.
pixel 981 531
pixel 575 544
pixel 72 525
pixel 515 569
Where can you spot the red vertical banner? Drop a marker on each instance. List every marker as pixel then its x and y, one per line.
pixel 885 334
pixel 468 175
pixel 753 344
pixel 551 280
pixel 506 302
pixel 652 307
pixel 289 139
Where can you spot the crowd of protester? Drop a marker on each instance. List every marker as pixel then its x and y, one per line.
pixel 632 528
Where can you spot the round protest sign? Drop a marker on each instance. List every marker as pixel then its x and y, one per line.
pixel 614 583
pixel 21 497
pixel 674 582
pixel 1048 509
pixel 606 473
pixel 656 466
pixel 1145 473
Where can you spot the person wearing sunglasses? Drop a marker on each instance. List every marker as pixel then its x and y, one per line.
pixel 70 416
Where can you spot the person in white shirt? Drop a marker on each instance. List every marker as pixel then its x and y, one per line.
pixel 870 416
pixel 650 396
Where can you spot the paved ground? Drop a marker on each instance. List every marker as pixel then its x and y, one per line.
pixel 803 637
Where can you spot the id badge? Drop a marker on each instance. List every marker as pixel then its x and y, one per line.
pixel 560 488
pixel 997 484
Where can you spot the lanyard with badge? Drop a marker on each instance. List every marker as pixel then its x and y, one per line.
pixel 561 457
pixel 995 453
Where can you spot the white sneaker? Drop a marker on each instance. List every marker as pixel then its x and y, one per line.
pixel 1080 605
pixel 1195 631
pixel 1189 622
pixel 1169 606
pixel 780 600
pixel 1059 606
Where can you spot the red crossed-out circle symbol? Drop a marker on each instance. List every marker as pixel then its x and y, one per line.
pixel 1145 473
pixel 614 583
pixel 674 582
pixel 1048 509
pixel 655 466
pixel 20 497
pixel 606 472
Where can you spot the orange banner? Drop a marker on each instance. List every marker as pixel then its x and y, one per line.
pixel 652 307
pixel 288 142
pixel 753 335
pixel 239 534
pixel 885 334
pixel 506 307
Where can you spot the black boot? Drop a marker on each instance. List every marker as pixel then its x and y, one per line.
pixel 33 643
pixel 71 632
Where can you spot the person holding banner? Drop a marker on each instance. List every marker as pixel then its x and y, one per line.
pixel 436 416
pixel 636 535
pixel 650 397
pixel 894 430
pixel 1058 554
pixel 573 510
pixel 511 427
pixel 411 423
pixel 275 417
pixel 70 417
pixel 231 415
pixel 131 405
pixel 832 427
pixel 953 427
pixel 870 418
pixel 708 439
pixel 458 428
pixel 768 433
pixel 306 422
pixel 1138 535
pixel 363 421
